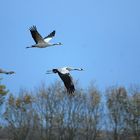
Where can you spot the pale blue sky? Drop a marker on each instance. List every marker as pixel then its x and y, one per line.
pixel 101 36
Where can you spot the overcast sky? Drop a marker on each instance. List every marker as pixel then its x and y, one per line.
pixel 100 36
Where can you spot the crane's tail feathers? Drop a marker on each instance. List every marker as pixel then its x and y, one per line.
pixel 49 72
pixel 28 47
pixel 33 46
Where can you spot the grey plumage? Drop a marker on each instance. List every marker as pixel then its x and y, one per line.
pixel 40 41
pixel 6 72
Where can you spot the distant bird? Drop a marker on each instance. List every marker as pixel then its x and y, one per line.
pixel 6 72
pixel 65 76
pixel 40 41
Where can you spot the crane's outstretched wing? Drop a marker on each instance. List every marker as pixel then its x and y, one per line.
pixel 50 36
pixel 68 82
pixel 35 35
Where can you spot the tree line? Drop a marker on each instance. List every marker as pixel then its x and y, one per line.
pixel 49 113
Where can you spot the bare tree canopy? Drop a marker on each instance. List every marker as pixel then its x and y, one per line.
pixel 49 113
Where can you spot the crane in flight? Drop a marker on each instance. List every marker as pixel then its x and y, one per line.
pixel 40 41
pixel 6 72
pixel 64 74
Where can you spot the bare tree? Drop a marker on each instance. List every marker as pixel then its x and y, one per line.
pixel 18 115
pixel 47 103
pixel 116 103
pixel 93 114
pixel 133 113
pixel 3 93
